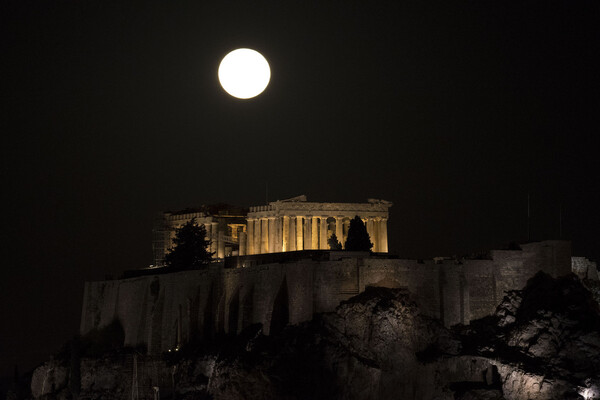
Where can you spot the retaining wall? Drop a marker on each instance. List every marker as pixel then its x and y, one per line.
pixel 167 310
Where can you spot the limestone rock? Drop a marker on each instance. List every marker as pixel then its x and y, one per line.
pixel 545 340
pixel 542 343
pixel 374 339
pixel 594 287
pixel 49 378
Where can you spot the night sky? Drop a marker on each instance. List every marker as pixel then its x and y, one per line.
pixel 455 112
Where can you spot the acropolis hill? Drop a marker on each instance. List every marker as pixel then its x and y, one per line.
pixel 273 268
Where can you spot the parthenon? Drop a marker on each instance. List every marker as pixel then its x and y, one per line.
pixel 280 226
pixel 296 224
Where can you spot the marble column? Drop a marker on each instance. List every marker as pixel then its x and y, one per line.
pixel 250 240
pixel 339 230
pixel 299 233
pixel 257 236
pixel 293 235
pixel 264 241
pixel 285 240
pixel 214 235
pixel 272 235
pixel 323 234
pixel 221 245
pixel 242 241
pixel 278 234
pixel 383 241
pixel 315 233
pixel 207 227
pixel 346 229
pixel 375 239
pixel 308 233
pixel 371 232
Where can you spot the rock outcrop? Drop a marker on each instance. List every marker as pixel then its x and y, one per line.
pixel 545 338
pixel 542 343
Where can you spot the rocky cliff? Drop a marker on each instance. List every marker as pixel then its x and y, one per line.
pixel 542 343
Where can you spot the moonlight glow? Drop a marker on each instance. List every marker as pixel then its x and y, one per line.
pixel 244 73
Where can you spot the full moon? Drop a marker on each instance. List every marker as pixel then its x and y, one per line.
pixel 244 73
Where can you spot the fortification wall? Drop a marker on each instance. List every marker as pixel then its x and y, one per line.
pixel 480 277
pixel 165 311
pixel 421 278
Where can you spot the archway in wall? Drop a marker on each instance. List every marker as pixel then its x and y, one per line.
pixel 221 315
pixel 281 312
pixel 155 346
pixel 234 308
pixel 247 309
pixel 194 313
pixel 208 322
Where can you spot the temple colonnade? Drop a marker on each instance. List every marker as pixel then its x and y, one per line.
pixel 274 234
pixel 280 226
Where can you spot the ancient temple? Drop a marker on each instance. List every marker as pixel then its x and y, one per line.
pixel 281 226
pixel 297 224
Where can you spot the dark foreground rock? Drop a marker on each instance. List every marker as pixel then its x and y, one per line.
pixel 542 343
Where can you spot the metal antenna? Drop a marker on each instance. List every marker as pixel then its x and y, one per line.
pixel 267 193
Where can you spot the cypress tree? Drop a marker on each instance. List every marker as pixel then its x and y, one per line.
pixel 190 250
pixel 334 243
pixel 358 237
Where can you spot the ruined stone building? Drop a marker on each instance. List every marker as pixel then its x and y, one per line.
pixel 296 224
pixel 223 224
pixel 281 226
pixel 273 270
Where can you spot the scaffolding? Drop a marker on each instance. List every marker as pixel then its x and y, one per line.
pixel 161 236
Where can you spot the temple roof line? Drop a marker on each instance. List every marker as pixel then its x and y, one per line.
pixel 302 197
pixel 301 204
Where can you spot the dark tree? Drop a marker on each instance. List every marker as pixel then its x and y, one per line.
pixel 358 238
pixel 190 247
pixel 334 243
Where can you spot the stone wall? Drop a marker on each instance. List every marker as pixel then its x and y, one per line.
pixel 167 310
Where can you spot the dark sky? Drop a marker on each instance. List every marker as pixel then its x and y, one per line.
pixel 112 112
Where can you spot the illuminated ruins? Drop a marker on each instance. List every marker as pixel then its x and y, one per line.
pixel 273 268
pixel 281 226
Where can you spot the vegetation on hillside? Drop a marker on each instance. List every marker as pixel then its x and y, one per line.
pixel 190 250
pixel 358 238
